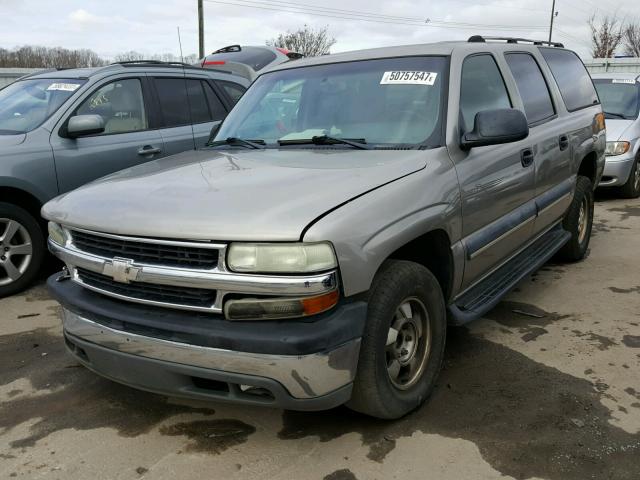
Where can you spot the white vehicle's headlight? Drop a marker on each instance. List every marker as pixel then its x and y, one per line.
pixel 616 148
pixel 56 233
pixel 281 257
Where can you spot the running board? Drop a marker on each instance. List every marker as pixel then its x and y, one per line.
pixel 482 297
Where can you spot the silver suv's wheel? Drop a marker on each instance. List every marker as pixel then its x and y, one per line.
pixel 22 248
pixel 16 250
pixel 631 189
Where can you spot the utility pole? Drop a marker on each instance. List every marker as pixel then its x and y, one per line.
pixel 201 30
pixel 553 15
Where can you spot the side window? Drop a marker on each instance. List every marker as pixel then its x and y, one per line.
pixel 218 112
pixel 481 88
pixel 174 103
pixel 531 86
pixel 234 90
pixel 573 80
pixel 120 104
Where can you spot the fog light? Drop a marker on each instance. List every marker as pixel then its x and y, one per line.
pixel 276 308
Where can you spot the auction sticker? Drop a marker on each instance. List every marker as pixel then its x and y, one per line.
pixel 65 87
pixel 405 77
pixel 624 80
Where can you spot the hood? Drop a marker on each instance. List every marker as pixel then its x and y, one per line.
pixel 616 129
pixel 12 140
pixel 269 195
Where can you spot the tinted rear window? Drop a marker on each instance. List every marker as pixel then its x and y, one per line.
pixel 174 104
pixel 256 58
pixel 234 90
pixel 572 78
pixel 531 86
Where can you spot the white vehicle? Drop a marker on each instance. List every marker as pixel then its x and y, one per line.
pixel 620 97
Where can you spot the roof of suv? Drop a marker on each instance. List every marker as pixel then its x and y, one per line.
pixel 439 48
pixel 142 66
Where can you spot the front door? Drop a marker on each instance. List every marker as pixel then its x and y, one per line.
pixel 497 182
pixel 126 141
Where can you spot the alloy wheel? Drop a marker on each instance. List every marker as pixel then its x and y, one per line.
pixel 16 250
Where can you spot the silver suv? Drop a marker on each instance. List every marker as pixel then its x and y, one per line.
pixel 63 128
pixel 350 206
pixel 620 97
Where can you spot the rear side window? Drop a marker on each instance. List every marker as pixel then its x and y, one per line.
pixel 174 104
pixel 234 90
pixel 481 88
pixel 531 86
pixel 572 78
pixel 205 105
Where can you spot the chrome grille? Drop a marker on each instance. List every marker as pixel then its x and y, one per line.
pixel 147 292
pixel 166 254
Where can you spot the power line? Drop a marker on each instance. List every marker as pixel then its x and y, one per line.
pixel 367 17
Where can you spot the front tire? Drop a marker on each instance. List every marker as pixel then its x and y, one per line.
pixel 631 189
pixel 403 343
pixel 22 249
pixel 578 221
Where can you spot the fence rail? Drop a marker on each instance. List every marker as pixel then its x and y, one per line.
pixel 10 75
pixel 613 65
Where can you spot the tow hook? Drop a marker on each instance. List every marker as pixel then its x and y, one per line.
pixel 64 275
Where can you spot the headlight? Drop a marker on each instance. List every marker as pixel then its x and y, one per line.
pixel 280 257
pixel 616 148
pixel 56 233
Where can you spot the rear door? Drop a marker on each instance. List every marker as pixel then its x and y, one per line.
pixel 497 182
pixel 207 109
pixel 124 102
pixel 173 115
pixel 548 136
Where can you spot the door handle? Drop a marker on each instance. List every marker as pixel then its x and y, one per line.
pixel 526 157
pixel 149 150
pixel 564 142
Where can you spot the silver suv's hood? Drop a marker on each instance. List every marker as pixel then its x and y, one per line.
pixel 616 129
pixel 221 195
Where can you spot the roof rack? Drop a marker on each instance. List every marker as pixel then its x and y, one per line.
pixel 153 63
pixel 482 39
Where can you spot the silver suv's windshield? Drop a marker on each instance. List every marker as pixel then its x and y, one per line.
pixel 620 98
pixel 26 104
pixel 383 102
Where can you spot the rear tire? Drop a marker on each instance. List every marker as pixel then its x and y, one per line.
pixel 22 249
pixel 631 189
pixel 397 371
pixel 578 221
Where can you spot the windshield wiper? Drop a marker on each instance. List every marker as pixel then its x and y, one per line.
pixel 360 143
pixel 238 142
pixel 616 114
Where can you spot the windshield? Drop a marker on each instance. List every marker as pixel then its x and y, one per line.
pixel 394 101
pixel 620 98
pixel 26 104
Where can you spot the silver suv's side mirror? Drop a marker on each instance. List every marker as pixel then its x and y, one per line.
pixel 85 125
pixel 493 127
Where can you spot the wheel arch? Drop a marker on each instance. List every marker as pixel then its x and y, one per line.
pixel 433 251
pixel 589 167
pixel 24 199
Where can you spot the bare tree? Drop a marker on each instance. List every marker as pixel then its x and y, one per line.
pixel 45 57
pixel 631 39
pixel 309 42
pixel 606 35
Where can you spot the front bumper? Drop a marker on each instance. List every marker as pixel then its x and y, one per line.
pixel 127 343
pixel 617 170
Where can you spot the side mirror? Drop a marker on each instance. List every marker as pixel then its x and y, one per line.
pixel 493 127
pixel 84 125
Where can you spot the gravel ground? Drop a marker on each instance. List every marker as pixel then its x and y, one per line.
pixel 547 386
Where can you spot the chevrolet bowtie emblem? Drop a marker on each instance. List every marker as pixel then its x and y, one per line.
pixel 121 270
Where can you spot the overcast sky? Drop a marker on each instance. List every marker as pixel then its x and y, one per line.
pixel 113 26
